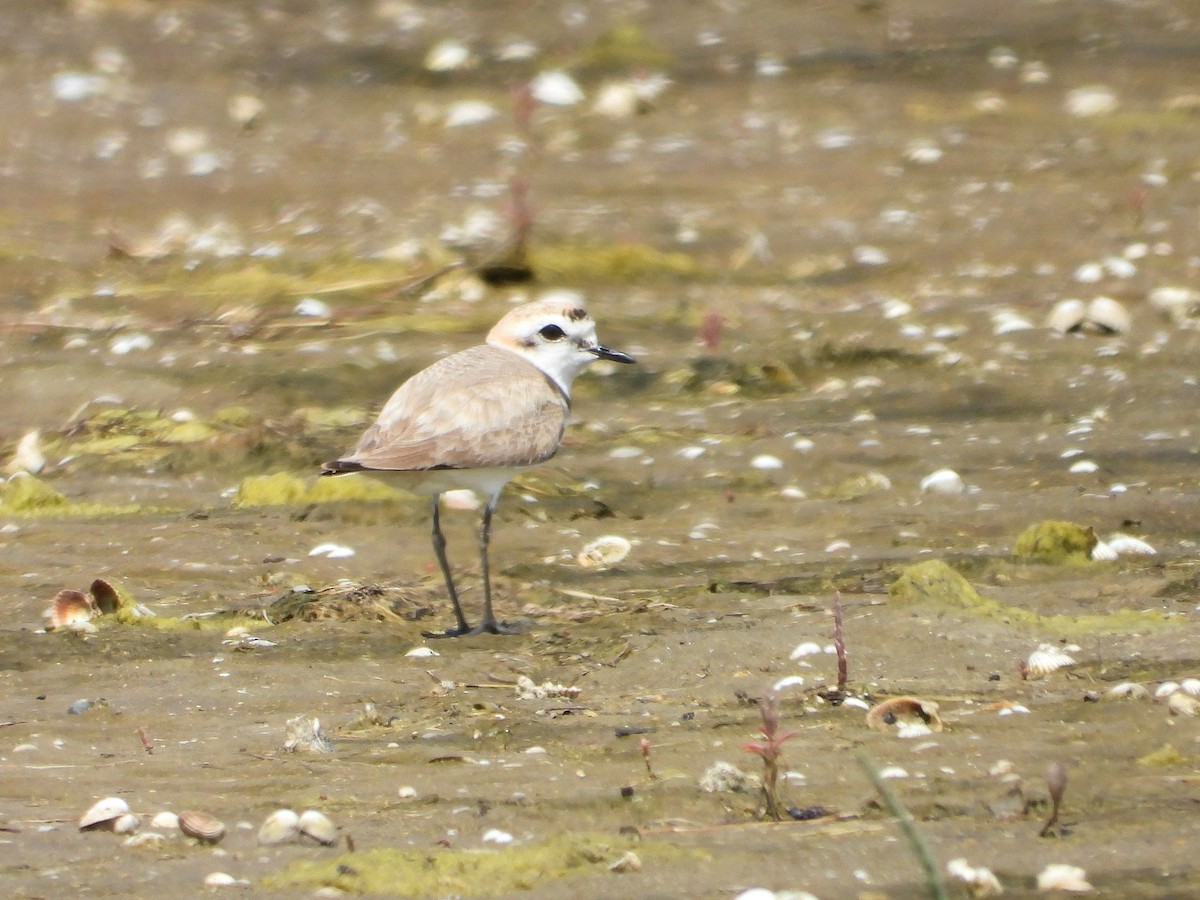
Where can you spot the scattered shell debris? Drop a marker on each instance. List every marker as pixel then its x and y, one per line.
pixel 526 689
pixel 304 735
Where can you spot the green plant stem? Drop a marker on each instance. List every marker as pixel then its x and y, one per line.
pixel 933 877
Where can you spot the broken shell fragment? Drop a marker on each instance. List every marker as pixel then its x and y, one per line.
pixel 911 716
pixel 1045 659
pixel 126 824
pixel 201 826
pixel 979 880
pixel 316 826
pixel 280 827
pixel 103 814
pixel 604 551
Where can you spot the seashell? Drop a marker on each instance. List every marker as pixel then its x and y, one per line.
pixel 912 716
pixel 105 597
pixel 165 821
pixel 469 112
pixel 788 681
pixel 1181 704
pixel 1045 659
pixel 1061 877
pixel 604 551
pixel 69 609
pixel 1166 689
pixel 1092 100
pixel 1107 316
pixel 1067 316
pixel 765 461
pixel 808 648
pixel 448 56
pixel 1007 321
pixel 28 456
pixel 245 110
pixel 422 652
pixel 316 825
pixel 332 551
pixel 556 89
pixel 496 836
pixel 943 481
pixel 126 824
pixel 629 862
pixel 1178 303
pixel 280 827
pixel 103 814
pixel 1126 545
pixel 201 826
pixel 1127 689
pixel 1083 467
pixel 223 879
pixel 981 881
pixel 1103 551
pixel 1190 686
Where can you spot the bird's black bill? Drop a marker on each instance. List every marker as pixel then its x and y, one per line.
pixel 614 355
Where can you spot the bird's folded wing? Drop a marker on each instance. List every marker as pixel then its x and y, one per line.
pixel 483 407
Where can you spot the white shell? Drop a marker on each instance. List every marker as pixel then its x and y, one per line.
pixel 103 814
pixel 1108 315
pixel 316 825
pixel 1093 100
pixel 1045 659
pixel 1181 704
pixel 766 461
pixel 496 836
pixel 980 879
pixel 1190 686
pixel 28 456
pixel 448 56
pixel 1067 315
pixel 221 879
pixel 1166 689
pixel 126 824
pixel 556 88
pixel 788 681
pixel 1103 552
pixel 1126 545
pixel 1130 689
pixel 422 652
pixel 629 862
pixel 604 551
pixel 469 112
pixel 943 481
pixel 808 648
pixel 280 827
pixel 1083 467
pixel 1061 877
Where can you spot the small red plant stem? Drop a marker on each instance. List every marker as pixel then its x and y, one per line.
pixel 839 643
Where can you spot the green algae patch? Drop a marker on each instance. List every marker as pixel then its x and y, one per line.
pixel 285 489
pixel 936 582
pixel 25 494
pixel 279 489
pixel 350 487
pixel 1166 755
pixel 609 262
pixel 1057 543
pixel 625 48
pixel 467 873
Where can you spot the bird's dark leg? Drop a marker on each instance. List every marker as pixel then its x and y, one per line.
pixel 489 624
pixel 439 549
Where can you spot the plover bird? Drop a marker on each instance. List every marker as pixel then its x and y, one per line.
pixel 478 417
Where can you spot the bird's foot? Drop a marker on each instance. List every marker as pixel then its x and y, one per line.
pixel 485 627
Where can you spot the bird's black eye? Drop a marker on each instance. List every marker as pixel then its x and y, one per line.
pixel 552 333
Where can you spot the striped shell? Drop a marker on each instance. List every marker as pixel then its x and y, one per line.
pixel 201 826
